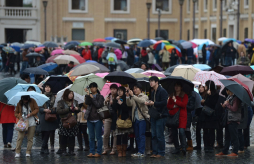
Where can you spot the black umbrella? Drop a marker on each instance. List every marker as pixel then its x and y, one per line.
pixel 170 41
pixel 119 41
pixel 168 83
pixel 236 69
pixel 238 90
pixel 226 44
pixel 144 81
pixel 102 67
pixel 7 84
pixel 145 43
pixel 58 83
pixel 178 44
pixel 123 65
pixel 34 54
pixel 50 44
pixel 69 46
pixel 26 46
pixel 36 71
pixel 120 77
pixel 112 45
pixel 158 38
pixel 99 44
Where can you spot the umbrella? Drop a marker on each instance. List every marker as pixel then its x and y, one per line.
pixel 19 88
pixel 249 40
pixel 161 44
pixel 238 90
pixel 38 49
pixel 139 75
pixel 1 46
pixel 109 38
pixel 244 80
pixel 186 71
pixel 99 40
pixel 204 76
pixel 16 48
pixel 229 40
pixel 170 41
pixel 134 70
pixel 34 54
pixel 221 39
pixel 85 44
pixel 36 71
pixel 106 89
pixel 244 86
pixel 8 50
pixel 168 83
pixel 178 44
pixel 122 65
pixel 226 44
pixel 217 69
pixel 202 41
pixel 187 45
pixel 69 47
pixel 120 77
pixel 236 69
pixel 82 82
pixel 48 66
pixel 157 67
pixel 153 73
pixel 194 45
pixel 35 42
pixel 50 44
pixel 72 78
pixel 102 67
pixel 77 97
pixel 202 67
pixel 99 44
pixel 84 70
pixel 57 83
pixel 113 45
pixel 51 59
pixel 119 41
pixel 158 38
pixel 73 43
pixel 172 68
pixel 181 41
pixel 134 41
pixel 145 43
pixel 17 44
pixel 91 61
pixel 38 97
pixel 102 75
pixel 7 84
pixel 65 59
pixel 58 51
pixel 79 58
pixel 26 46
pixel 70 52
pixel 118 54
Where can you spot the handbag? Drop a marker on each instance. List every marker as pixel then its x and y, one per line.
pixel 50 117
pixel 69 122
pixel 22 126
pixel 173 121
pixel 153 112
pixel 104 113
pixel 207 110
pixel 123 124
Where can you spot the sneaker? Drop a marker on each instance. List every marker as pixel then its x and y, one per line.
pixel 220 154
pixel 231 148
pixel 232 155
pixel 28 155
pixel 9 145
pixel 17 155
pixel 138 155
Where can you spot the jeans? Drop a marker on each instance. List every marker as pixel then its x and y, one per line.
pixel 112 67
pixel 158 138
pixel 7 132
pixel 231 136
pixel 3 66
pixel 209 138
pixel 95 129
pixel 181 136
pixel 228 61
pixel 140 131
pixel 45 138
pixel 24 66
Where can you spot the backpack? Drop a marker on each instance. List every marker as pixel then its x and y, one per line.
pixel 104 55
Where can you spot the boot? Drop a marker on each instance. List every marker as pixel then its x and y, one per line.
pixel 124 150
pixel 80 148
pixel 190 146
pixel 120 150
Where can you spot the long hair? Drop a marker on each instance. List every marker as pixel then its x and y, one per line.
pixel 66 94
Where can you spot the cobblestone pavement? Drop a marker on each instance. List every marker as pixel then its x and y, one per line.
pixel 7 156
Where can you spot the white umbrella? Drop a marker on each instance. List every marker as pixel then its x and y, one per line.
pixel 65 59
pixel 202 41
pixel 133 41
pixel 37 43
pixel 186 71
pixel 222 39
pixel 84 69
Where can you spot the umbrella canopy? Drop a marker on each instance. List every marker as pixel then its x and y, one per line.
pixel 58 51
pixel 187 72
pixel 102 67
pixel 168 83
pixel 134 41
pixel 73 43
pixel 34 54
pixel 134 70
pixel 249 40
pixel 17 44
pixel 118 54
pixel 38 97
pixel 153 73
pixel 50 44
pixel 187 45
pixel 91 61
pixel 122 65
pixel 20 88
pixel 244 80
pixel 69 47
pixel 204 76
pixel 236 69
pixel 79 58
pixel 106 89
pixel 194 45
pixel 178 44
pixel 217 69
pixel 16 48
pixel 82 82
pixel 145 43
pixel 172 68
pixel 102 75
pixel 85 44
pixel 161 44
pixel 221 39
pixel 113 45
pixel 35 42
pixel 51 59
pixel 84 70
pixel 70 52
pixel 99 40
pixel 238 90
pixel 109 38
pixel 8 49
pixel 72 78
pixel 77 97
pixel 48 66
pixel 119 41
pixel 120 77
pixel 26 46
pixel 57 83
pixel 158 38
pixel 99 44
pixel 65 59
pixel 38 49
pixel 202 41
pixel 244 86
pixel 139 75
pixel 36 71
pixel 202 67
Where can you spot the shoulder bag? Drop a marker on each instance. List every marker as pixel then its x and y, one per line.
pixel 207 110
pixel 50 117
pixel 69 121
pixel 153 112
pixel 173 121
pixel 123 124
pixel 104 112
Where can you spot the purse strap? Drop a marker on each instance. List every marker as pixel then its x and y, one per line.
pixel 141 112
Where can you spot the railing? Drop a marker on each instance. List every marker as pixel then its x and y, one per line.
pixel 20 12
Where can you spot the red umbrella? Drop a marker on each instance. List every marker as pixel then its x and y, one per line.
pixel 194 45
pixel 38 49
pixel 99 40
pixel 244 86
pixel 79 58
pixel 51 59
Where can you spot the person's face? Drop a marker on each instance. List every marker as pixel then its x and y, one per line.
pixel 230 44
pixel 71 65
pixel 178 88
pixel 120 92
pixel 113 91
pixel 47 89
pixel 201 89
pixel 206 88
pixel 242 54
pixel 93 89
pixel 153 84
pixel 143 66
pixel 42 51
pixel 70 96
pixel 87 47
pixel 136 90
pixel 28 80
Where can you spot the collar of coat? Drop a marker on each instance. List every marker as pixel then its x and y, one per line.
pixel 182 93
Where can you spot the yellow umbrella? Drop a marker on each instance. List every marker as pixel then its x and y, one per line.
pixel 186 71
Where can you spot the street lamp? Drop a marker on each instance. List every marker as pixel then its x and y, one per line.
pixel 45 19
pixel 181 17
pixel 221 15
pixel 148 5
pixel 159 21
pixel 194 2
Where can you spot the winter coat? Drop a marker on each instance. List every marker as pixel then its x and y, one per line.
pixel 173 59
pixel 130 58
pixel 63 109
pixel 87 54
pixel 244 117
pixel 144 56
pixel 165 56
pixel 190 107
pixel 234 110
pixel 93 104
pixel 100 53
pixel 24 58
pixel 34 109
pixel 95 55
pixel 180 104
pixel 113 111
pixel 241 48
pixel 231 52
pixel 8 114
pixel 243 61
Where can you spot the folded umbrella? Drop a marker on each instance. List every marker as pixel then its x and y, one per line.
pixel 79 58
pixel 186 71
pixel 236 69
pixel 70 52
pixel 58 51
pixel 58 83
pixel 202 67
pixel 36 71
pixel 84 70
pixel 48 66
pixel 106 89
pixel 34 54
pixel 120 77
pixel 38 97
pixel 204 76
pixel 101 70
pixel 153 73
pixel 145 43
pixel 50 44
pixel 134 70
pixel 112 45
pixel 20 88
pixel 65 59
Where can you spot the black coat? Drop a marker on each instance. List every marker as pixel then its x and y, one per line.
pixel 130 58
pixel 173 59
pixel 190 107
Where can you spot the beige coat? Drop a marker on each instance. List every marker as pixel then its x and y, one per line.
pixel 241 48
pixel 140 99
pixel 165 56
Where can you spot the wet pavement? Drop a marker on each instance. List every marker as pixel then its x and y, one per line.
pixel 7 156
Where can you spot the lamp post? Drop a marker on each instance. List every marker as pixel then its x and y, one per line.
pixel 238 19
pixel 181 17
pixel 45 19
pixel 193 32
pixel 148 5
pixel 221 15
pixel 159 21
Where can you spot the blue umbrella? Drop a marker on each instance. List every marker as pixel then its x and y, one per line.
pixel 202 67
pixel 91 61
pixel 201 45
pixel 17 44
pixel 73 42
pixel 180 41
pixel 39 98
pixel 16 48
pixel 26 46
pixel 8 50
pixel 41 45
pixel 145 43
pixel 20 88
pixel 229 39
pixel 1 46
pixel 50 44
pixel 134 70
pixel 109 38
pixel 48 66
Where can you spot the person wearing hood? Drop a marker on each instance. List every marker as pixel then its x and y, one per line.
pixel 112 60
pixel 173 57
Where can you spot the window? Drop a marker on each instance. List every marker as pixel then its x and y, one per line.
pixel 163 34
pixel 20 3
pixel 196 6
pixel 188 35
pixel 214 5
pixel 120 34
pixel 205 34
pixel 78 34
pixel 246 33
pixel 78 6
pixel 188 6
pixel 196 33
pixel 58 39
pixel 224 32
pixel 224 3
pixel 246 4
pixel 205 5
pixel 162 4
pixel 120 6
pixel 214 34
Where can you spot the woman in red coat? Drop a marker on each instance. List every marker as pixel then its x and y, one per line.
pixel 178 101
pixel 86 53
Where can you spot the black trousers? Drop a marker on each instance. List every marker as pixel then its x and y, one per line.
pixel 209 138
pixel 45 138
pixel 231 136
pixel 52 138
pixel 122 139
pixel 246 136
pixel 67 141
pixel 83 130
pixel 219 136
pixel 181 136
pixel 198 134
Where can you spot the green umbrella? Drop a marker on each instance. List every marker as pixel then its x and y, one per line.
pixel 82 82
pixel 85 44
pixel 7 84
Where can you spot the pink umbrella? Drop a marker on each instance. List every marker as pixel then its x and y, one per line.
pixel 118 54
pixel 244 80
pixel 204 76
pixel 102 75
pixel 57 52
pixel 106 88
pixel 194 45
pixel 153 73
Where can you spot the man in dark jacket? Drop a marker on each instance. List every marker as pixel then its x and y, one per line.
pixel 69 67
pixel 230 55
pixel 130 58
pixel 159 98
